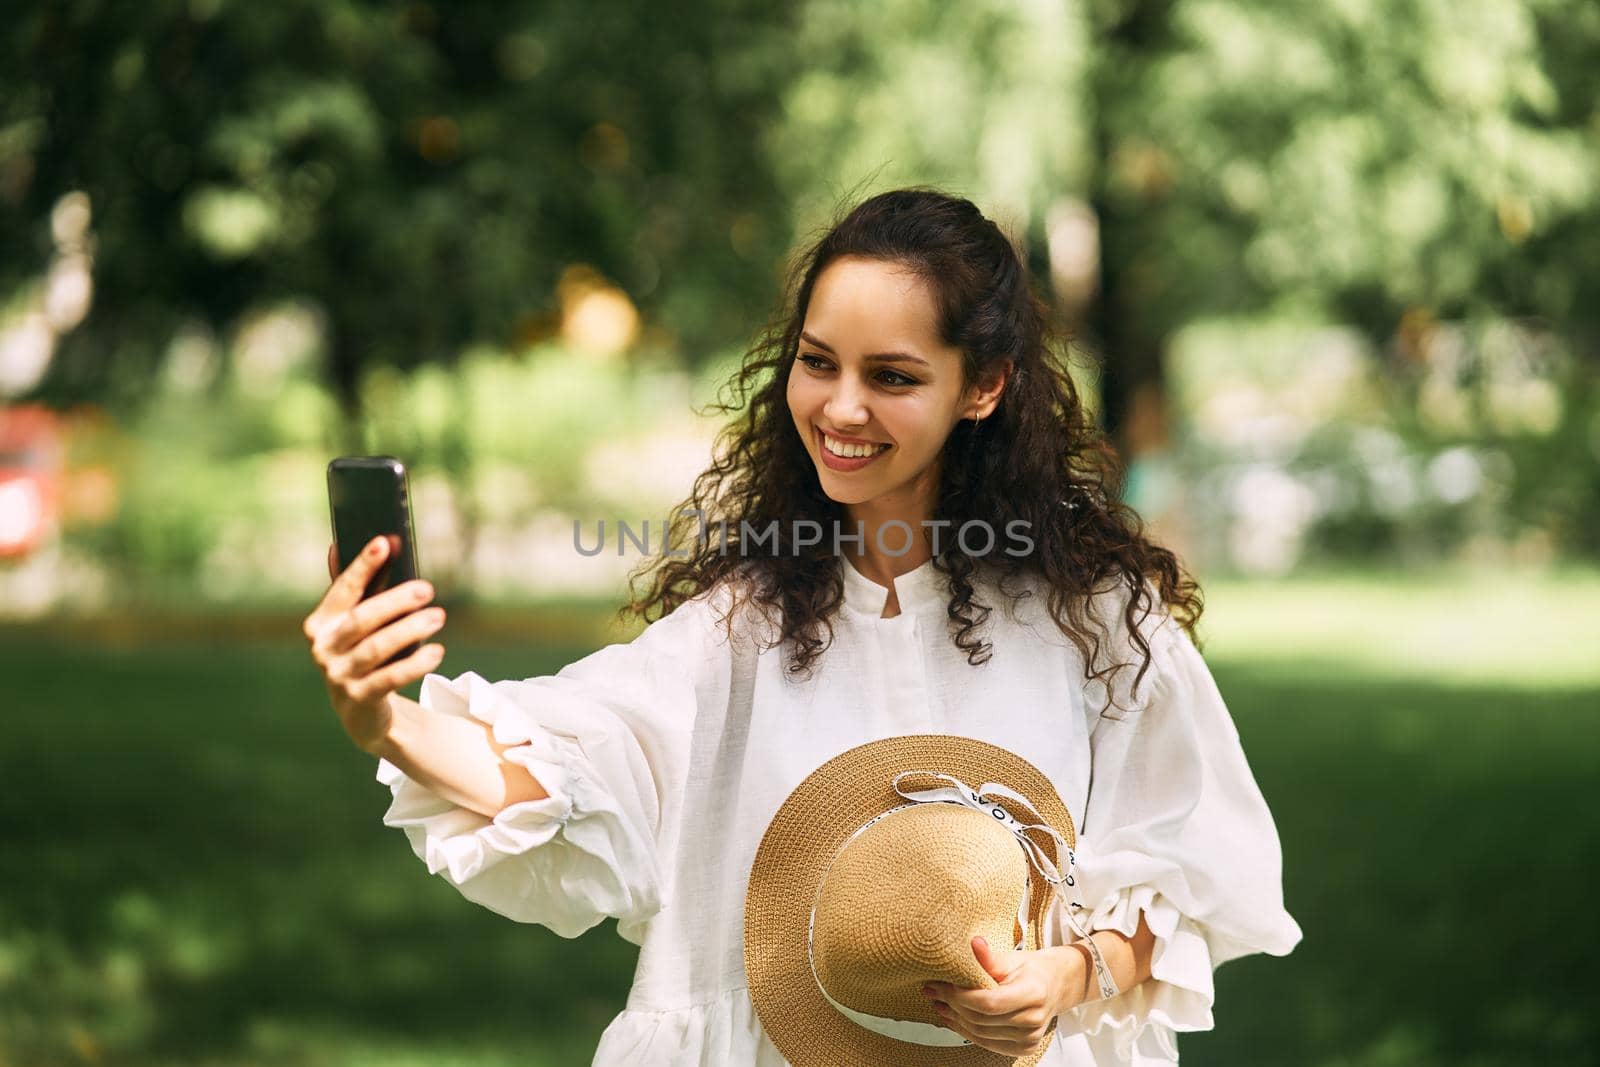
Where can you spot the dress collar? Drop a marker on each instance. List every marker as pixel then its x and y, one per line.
pixel 916 589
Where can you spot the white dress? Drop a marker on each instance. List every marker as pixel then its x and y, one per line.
pixel 665 758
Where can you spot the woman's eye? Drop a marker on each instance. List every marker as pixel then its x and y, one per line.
pixel 889 377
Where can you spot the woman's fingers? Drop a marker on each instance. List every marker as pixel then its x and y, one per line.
pixel 988 1044
pixel 374 650
pixel 366 617
pixel 1005 1019
pixel 982 1025
pixel 1015 1017
pixel 399 675
pixel 335 632
pixel 364 673
pixel 347 588
pixel 1005 1046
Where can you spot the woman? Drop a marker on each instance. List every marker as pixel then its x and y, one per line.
pixel 913 458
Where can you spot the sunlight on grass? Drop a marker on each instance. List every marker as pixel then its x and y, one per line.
pixel 1538 630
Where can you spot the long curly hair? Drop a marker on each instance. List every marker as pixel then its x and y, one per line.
pixel 1037 457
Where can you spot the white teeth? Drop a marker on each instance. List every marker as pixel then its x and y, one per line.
pixel 839 448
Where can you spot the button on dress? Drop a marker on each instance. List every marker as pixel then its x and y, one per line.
pixel 665 758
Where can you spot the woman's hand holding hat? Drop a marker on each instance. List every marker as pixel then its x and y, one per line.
pixel 1012 1019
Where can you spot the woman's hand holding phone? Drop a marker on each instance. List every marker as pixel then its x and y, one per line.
pixel 351 639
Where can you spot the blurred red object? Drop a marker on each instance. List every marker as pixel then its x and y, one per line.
pixel 31 456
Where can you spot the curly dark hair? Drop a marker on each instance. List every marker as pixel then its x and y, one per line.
pixel 1038 457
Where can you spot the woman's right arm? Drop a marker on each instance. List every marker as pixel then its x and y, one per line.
pixel 351 638
pixel 455 757
pixel 555 799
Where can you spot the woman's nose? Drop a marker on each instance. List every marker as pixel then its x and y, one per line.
pixel 846 406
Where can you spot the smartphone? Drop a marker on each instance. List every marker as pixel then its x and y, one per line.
pixel 369 496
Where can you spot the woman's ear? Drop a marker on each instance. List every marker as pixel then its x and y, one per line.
pixel 983 397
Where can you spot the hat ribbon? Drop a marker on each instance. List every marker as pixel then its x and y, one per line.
pixel 959 792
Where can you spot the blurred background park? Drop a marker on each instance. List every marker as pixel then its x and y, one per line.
pixel 1334 277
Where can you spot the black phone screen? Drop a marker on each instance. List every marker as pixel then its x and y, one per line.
pixel 369 496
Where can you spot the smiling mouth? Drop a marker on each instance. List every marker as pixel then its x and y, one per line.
pixel 852 451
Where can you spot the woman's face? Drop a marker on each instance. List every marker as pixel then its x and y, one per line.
pixel 871 368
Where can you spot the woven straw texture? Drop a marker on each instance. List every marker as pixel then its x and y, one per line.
pixel 919 913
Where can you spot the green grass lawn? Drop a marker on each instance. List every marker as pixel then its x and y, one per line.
pixel 194 870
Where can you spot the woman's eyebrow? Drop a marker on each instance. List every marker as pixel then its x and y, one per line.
pixel 887 357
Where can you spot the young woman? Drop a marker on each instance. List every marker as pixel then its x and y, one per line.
pixel 908 530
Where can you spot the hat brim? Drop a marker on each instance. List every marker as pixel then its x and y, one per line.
pixel 810 826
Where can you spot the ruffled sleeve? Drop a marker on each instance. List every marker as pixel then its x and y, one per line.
pixel 608 737
pixel 1176 828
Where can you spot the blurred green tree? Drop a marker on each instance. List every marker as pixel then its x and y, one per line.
pixel 1369 163
pixel 423 173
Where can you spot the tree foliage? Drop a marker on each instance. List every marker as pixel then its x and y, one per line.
pixel 423 174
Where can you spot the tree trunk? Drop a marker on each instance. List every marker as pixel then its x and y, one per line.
pixel 1128 333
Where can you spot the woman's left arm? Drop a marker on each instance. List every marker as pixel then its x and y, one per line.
pixel 1178 861
pixel 1177 870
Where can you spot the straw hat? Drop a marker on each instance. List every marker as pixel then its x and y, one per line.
pixel 873 878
